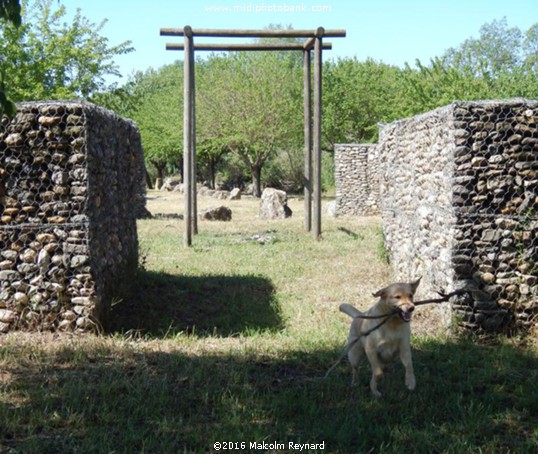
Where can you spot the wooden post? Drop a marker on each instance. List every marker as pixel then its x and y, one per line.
pixel 187 135
pixel 316 168
pixel 307 143
pixel 194 188
pixel 312 171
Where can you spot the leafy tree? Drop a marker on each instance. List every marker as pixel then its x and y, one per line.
pixel 210 154
pixel 252 102
pixel 155 102
pixel 504 59
pixel 10 11
pixel 498 48
pixel 46 58
pixel 438 84
pixel 356 96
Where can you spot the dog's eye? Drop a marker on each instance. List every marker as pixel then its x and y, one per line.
pixel 398 297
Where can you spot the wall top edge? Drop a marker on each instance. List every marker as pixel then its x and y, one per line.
pixel 85 106
pixel 447 109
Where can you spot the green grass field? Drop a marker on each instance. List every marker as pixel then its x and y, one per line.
pixel 229 341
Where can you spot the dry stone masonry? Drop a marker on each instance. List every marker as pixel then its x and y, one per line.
pixel 71 184
pixel 459 195
pixel 356 179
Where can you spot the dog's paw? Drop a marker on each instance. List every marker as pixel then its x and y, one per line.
pixel 376 393
pixel 411 383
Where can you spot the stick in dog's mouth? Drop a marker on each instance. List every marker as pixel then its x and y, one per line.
pixel 406 314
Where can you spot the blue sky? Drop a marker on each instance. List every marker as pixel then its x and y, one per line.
pixel 391 31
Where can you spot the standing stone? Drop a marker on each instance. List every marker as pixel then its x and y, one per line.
pixel 220 213
pixel 235 194
pixel 274 204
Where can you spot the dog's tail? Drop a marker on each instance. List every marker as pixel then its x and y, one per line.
pixel 350 310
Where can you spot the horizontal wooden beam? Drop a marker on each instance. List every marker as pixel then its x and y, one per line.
pixel 248 47
pixel 224 33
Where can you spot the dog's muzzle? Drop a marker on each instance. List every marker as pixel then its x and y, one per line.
pixel 405 313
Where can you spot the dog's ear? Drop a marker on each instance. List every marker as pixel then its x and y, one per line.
pixel 414 285
pixel 380 293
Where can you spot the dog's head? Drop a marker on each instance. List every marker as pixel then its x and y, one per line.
pixel 399 297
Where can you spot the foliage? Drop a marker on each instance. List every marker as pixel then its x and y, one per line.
pixel 501 63
pixel 428 87
pixel 154 102
pixel 251 103
pixel 10 11
pixel 356 96
pixel 46 58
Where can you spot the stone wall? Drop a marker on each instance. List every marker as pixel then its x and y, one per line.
pixel 71 183
pixel 459 195
pixel 356 179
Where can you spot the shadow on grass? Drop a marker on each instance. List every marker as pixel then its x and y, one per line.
pixel 469 399
pixel 164 304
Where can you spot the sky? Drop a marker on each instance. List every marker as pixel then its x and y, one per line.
pixel 389 31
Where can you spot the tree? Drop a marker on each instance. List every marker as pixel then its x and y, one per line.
pixel 210 154
pixel 356 96
pixel 10 11
pixel 154 101
pixel 430 86
pixel 497 49
pixel 46 58
pixel 504 59
pixel 252 102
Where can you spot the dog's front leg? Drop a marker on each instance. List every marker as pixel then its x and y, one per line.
pixel 377 370
pixel 405 356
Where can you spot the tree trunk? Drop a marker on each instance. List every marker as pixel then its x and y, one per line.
pixel 159 166
pixel 149 183
pixel 212 174
pixel 256 181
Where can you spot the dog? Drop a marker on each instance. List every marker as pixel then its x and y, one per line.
pixel 391 339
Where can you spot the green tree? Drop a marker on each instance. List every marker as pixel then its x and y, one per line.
pixel 47 58
pixel 154 100
pixel 430 86
pixel 252 103
pixel 10 12
pixel 504 59
pixel 356 96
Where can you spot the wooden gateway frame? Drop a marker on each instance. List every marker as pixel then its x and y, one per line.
pixel 312 126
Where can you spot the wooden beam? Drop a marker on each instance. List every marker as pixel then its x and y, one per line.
pixel 234 33
pixel 307 184
pixel 244 47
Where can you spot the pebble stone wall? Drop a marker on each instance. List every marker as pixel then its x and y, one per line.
pixel 71 184
pixel 459 205
pixel 356 179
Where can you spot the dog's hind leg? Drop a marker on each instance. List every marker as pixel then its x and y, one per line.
pixel 355 354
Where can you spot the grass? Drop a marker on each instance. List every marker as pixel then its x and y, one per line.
pixel 229 341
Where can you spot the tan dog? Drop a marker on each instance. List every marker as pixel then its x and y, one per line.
pixel 392 338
